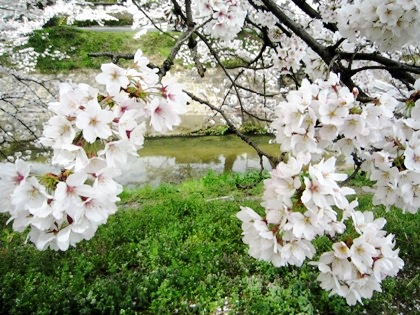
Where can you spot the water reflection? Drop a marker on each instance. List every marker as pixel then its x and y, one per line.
pixel 156 169
pixel 173 160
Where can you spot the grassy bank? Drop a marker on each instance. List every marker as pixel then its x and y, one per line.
pixel 178 249
pixel 78 43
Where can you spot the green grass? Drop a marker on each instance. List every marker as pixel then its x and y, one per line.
pixel 79 43
pixel 178 249
pixel 157 46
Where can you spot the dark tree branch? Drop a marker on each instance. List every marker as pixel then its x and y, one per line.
pixel 403 70
pixel 178 11
pixel 216 56
pixel 192 43
pixel 263 94
pixel 169 62
pixel 298 30
pixel 115 57
pixel 305 7
pixel 358 164
pixel 273 160
pixel 324 52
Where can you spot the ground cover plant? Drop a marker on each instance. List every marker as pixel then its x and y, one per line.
pixel 174 249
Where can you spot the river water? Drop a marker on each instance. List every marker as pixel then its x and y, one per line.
pixel 175 159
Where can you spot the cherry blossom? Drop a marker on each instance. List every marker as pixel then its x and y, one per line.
pixel 163 115
pixel 91 143
pixel 113 77
pixel 324 111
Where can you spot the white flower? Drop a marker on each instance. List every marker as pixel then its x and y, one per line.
pixel 296 251
pixel 174 95
pixel 332 113
pixel 248 216
pixel 389 13
pixel 94 122
pixel 30 195
pixel 314 194
pixel 88 93
pixel 414 121
pixel 146 74
pixel 362 254
pixel 11 176
pixel 283 183
pixel 70 156
pixel 69 105
pixel 328 132
pixel 353 126
pixel 304 142
pixel 96 210
pixel 163 115
pixel 136 136
pixel 104 182
pixel 130 129
pixel 60 130
pixel 341 250
pixel 63 238
pixel 117 153
pixel 113 77
pixel 412 153
pixel 365 220
pixel 262 242
pixel 303 226
pixel 40 238
pixel 324 172
pixel 68 193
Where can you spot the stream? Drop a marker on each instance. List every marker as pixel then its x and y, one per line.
pixel 175 159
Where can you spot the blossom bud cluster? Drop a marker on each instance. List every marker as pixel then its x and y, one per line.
pixel 388 23
pixel 303 198
pixel 92 137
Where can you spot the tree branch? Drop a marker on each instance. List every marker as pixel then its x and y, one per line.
pixel 273 160
pixel 305 7
pixel 115 57
pixel 403 70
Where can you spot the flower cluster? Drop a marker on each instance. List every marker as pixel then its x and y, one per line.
pixel 92 137
pixel 312 118
pixel 355 271
pixel 284 236
pixel 388 23
pixel 303 198
pixel 395 164
pixel 228 17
